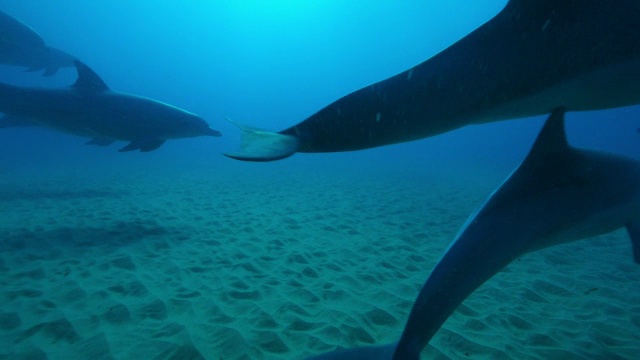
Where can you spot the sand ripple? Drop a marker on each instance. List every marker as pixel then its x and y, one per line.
pixel 239 266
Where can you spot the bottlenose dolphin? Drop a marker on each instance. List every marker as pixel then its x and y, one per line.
pixel 89 108
pixel 532 57
pixel 558 194
pixel 20 45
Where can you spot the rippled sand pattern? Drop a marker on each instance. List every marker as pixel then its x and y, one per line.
pixel 237 265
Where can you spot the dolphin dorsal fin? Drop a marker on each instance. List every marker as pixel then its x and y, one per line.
pixel 633 228
pixel 88 80
pixel 552 139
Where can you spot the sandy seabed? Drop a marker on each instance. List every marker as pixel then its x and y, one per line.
pixel 250 264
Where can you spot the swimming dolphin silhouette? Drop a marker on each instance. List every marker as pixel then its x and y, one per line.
pixel 20 45
pixel 558 194
pixel 89 108
pixel 532 57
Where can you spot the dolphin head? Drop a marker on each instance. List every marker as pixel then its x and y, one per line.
pixel 190 125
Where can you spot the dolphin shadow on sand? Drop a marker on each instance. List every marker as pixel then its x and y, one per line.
pixel 532 57
pixel 558 194
pixel 20 45
pixel 88 108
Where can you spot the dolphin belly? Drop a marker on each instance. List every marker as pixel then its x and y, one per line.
pixel 610 87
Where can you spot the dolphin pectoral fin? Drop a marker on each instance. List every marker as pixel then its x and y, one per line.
pixel 9 121
pixel 633 228
pixel 152 145
pixel 130 147
pixel 261 146
pixel 100 142
pixel 383 352
pixel 143 144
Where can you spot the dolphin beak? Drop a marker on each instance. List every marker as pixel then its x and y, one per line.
pixel 212 132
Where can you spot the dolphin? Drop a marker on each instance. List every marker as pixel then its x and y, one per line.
pixel 556 195
pixel 88 108
pixel 20 45
pixel 532 57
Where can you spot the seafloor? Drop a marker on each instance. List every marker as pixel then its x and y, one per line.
pixel 243 262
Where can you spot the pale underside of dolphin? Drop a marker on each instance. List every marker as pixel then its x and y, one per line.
pixel 532 57
pixel 90 109
pixel 558 194
pixel 20 45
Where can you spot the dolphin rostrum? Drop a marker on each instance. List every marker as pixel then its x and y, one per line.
pixel 532 57
pixel 88 108
pixel 20 45
pixel 558 194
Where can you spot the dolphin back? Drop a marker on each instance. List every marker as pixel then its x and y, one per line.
pixel 383 352
pixel 20 45
pixel 14 32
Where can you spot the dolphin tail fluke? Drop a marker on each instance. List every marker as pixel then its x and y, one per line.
pixel 383 352
pixel 261 146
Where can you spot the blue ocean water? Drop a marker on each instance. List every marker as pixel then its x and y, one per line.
pixel 272 65
pixel 269 65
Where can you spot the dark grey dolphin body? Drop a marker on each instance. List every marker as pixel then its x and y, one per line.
pixel 89 108
pixel 22 46
pixel 532 57
pixel 558 194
